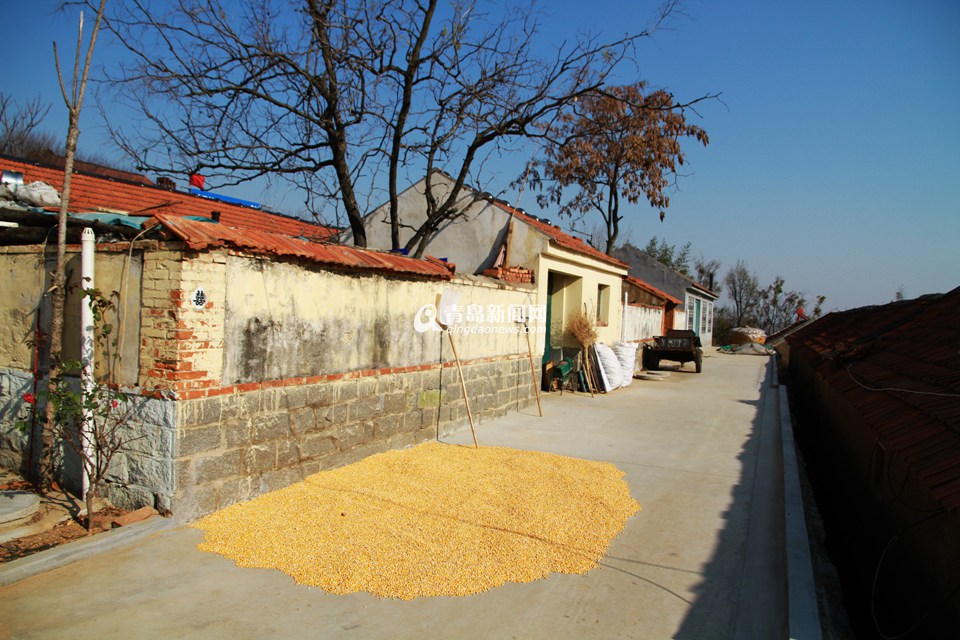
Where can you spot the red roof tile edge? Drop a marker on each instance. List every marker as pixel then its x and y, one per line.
pixel 90 192
pixel 562 238
pixel 204 235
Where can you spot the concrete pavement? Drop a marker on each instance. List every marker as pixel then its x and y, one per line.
pixel 704 559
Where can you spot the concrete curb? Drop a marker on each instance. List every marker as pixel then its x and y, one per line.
pixel 802 606
pixel 65 554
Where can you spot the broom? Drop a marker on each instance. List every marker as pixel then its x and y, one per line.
pixel 581 326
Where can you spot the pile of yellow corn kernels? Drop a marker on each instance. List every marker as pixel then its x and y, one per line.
pixel 433 520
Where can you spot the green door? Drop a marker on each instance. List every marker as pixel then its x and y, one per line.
pixel 696 317
pixel 546 345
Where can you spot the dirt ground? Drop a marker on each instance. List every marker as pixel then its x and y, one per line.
pixel 60 533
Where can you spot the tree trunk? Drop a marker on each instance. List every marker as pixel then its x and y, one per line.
pixel 73 101
pixel 57 298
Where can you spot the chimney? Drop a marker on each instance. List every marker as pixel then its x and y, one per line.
pixel 166 183
pixel 215 216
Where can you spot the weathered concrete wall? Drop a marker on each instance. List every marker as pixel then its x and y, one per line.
pixel 23 298
pixel 641 322
pixel 472 240
pixel 23 286
pixel 284 321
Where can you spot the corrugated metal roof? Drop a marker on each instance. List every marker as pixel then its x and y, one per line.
pixel 637 282
pixel 898 365
pixel 204 235
pixel 563 239
pixel 88 192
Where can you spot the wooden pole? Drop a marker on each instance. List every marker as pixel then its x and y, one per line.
pixel 591 383
pixel 533 372
pixel 463 387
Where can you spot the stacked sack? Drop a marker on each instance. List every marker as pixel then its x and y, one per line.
pixel 617 364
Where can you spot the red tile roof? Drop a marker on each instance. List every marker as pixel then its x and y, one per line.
pixel 898 365
pixel 565 240
pixel 89 192
pixel 637 282
pixel 203 235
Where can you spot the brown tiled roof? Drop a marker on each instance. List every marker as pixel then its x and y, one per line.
pixel 203 235
pixel 89 192
pixel 637 282
pixel 898 365
pixel 565 240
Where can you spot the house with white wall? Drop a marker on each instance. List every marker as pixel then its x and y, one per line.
pixel 492 238
pixel 697 308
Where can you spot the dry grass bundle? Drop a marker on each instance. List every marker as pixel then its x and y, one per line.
pixel 582 327
pixel 433 520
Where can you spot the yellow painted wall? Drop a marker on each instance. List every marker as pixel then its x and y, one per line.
pixel 584 276
pixel 284 320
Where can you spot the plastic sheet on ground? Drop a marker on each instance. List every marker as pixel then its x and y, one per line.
pixel 748 349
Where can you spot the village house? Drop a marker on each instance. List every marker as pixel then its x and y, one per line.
pixel 697 308
pixel 646 310
pixel 254 354
pixel 492 238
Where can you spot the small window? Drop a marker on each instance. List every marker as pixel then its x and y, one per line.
pixel 603 304
pixel 690 313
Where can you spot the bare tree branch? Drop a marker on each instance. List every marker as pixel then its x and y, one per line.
pixel 347 97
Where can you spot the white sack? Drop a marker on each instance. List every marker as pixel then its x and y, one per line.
pixel 610 365
pixel 626 353
pixel 38 194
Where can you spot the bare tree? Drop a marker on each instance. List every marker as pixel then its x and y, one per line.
pixel 777 306
pixel 346 97
pixel 743 289
pixel 73 99
pixel 706 273
pixel 20 133
pixel 770 308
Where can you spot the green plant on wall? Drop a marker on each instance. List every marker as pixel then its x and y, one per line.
pixel 91 419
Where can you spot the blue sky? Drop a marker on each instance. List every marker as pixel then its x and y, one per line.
pixel 835 153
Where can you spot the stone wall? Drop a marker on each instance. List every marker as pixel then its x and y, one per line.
pixel 259 437
pixel 13 441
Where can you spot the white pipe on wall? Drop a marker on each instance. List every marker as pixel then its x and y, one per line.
pixel 87 249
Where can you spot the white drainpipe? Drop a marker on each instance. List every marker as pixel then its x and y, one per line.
pixel 87 248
